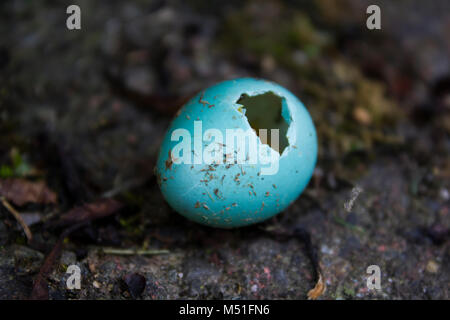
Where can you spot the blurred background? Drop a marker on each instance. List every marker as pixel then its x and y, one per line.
pixel 82 114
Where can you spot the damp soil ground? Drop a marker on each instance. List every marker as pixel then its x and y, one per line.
pixel 84 112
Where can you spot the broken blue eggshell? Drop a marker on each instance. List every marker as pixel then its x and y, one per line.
pixel 237 153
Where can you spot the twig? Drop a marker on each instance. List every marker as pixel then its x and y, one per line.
pixel 303 236
pixel 131 252
pixel 18 217
pixel 320 287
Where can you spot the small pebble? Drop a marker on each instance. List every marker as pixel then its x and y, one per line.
pixel 432 266
pixel 444 194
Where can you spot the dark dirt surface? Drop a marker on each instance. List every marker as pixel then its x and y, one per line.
pixel 84 111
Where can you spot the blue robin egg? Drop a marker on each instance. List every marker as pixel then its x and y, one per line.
pixel 237 153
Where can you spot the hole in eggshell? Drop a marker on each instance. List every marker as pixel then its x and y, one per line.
pixel 267 111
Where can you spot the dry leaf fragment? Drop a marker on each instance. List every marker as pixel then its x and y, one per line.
pixel 21 191
pixel 318 290
pixel 91 211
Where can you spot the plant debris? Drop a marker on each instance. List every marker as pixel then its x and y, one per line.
pixel 77 217
pixel 21 191
pixel 318 290
pixel 18 217
pixel 132 252
pixel 88 212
